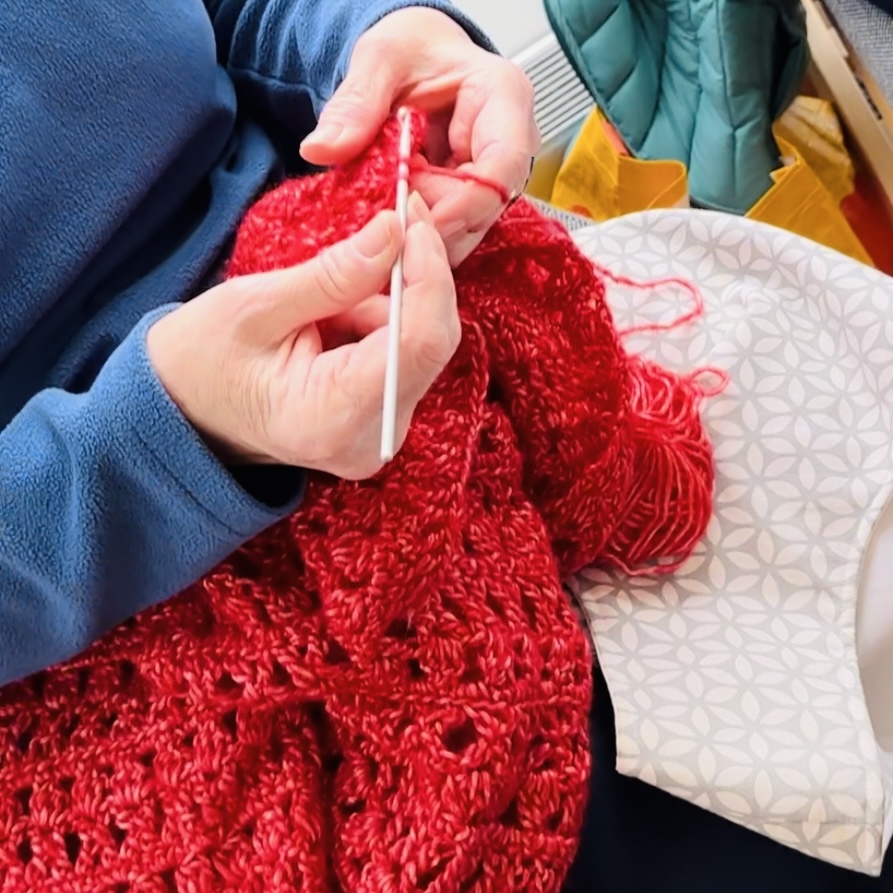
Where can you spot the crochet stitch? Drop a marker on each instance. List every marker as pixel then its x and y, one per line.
pixel 388 692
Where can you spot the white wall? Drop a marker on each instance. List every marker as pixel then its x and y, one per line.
pixel 511 24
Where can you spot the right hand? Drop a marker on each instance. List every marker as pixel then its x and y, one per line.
pixel 287 367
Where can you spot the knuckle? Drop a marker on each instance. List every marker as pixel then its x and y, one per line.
pixel 536 138
pixel 244 293
pixel 363 469
pixel 371 43
pixel 333 273
pixel 353 100
pixel 525 93
pixel 514 77
pixel 439 343
pixel 248 299
pixel 525 85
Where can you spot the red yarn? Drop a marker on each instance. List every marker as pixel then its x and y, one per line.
pixel 387 693
pixel 419 165
pixel 696 312
pixel 675 410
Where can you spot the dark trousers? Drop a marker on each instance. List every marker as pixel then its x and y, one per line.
pixel 885 5
pixel 638 839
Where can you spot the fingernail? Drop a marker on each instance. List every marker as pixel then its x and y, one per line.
pixel 416 206
pixel 374 239
pixel 419 211
pixel 325 134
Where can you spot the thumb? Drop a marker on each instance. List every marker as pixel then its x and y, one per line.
pixel 336 280
pixel 354 115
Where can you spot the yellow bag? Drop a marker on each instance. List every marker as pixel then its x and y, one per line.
pixel 600 180
pixel 817 175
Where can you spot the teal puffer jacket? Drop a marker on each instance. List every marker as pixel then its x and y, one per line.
pixel 699 81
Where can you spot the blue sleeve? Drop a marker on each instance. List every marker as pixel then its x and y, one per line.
pixel 111 503
pixel 287 57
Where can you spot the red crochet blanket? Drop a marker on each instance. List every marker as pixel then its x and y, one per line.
pixel 387 693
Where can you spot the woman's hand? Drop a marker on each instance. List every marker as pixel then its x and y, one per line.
pixel 288 367
pixel 480 107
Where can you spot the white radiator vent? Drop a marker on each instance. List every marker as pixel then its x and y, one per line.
pixel 562 100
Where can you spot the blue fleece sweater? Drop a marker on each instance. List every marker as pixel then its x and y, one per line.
pixel 133 136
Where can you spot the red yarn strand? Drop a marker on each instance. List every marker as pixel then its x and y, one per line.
pixel 420 165
pixel 697 298
pixel 664 527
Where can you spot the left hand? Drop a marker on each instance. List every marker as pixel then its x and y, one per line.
pixel 480 109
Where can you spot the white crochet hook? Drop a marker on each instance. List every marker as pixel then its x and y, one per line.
pixel 392 362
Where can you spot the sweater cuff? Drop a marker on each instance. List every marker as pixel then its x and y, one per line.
pixel 132 386
pixel 377 11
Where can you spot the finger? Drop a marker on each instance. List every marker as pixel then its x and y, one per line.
pixel 482 204
pixel 418 211
pixel 473 206
pixel 429 331
pixel 493 135
pixel 355 324
pixel 354 115
pixel 430 328
pixel 429 334
pixel 497 114
pixel 461 206
pixel 335 281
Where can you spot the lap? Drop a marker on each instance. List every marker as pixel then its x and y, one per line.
pixel 637 837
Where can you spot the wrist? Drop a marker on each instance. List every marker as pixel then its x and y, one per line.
pixel 168 363
pixel 174 364
pixel 423 18
pixel 427 17
pixel 411 27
